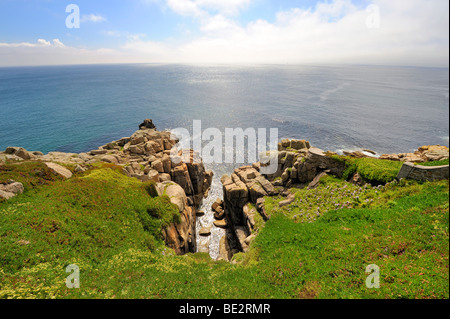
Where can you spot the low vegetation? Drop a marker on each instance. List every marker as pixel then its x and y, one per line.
pixel 435 163
pixel 317 247
pixel 372 170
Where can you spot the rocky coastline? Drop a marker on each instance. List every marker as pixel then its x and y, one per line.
pixel 299 165
pixel 146 155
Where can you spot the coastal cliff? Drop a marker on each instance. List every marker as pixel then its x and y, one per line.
pixel 122 224
pixel 302 166
pixel 145 155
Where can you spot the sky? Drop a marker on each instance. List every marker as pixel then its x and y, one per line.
pixel 377 32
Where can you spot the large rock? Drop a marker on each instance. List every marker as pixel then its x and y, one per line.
pixel 241 234
pixel 424 153
pixel 316 162
pixel 110 159
pixel 176 194
pixel 11 150
pixel 390 157
pixel 423 173
pixel 12 187
pixel 152 147
pixel 181 236
pixel 20 152
pixel 290 199
pixel 158 166
pixel 98 152
pixel 147 124
pixel 434 152
pixel 180 175
pixel 6 195
pixel 137 149
pixel 154 176
pixel 221 223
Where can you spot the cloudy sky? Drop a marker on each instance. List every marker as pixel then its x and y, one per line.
pixel 387 32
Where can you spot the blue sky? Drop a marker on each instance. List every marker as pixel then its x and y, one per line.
pixel 395 32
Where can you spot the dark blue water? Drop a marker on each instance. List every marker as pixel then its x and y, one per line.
pixel 78 108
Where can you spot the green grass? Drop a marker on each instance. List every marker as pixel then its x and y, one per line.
pixel 109 226
pixel 407 238
pixel 333 194
pixel 372 170
pixel 30 174
pixel 83 220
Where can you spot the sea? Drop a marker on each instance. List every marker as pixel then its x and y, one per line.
pixel 338 107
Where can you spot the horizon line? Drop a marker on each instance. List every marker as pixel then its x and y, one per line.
pixel 225 64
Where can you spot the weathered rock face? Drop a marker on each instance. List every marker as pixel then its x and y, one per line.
pixel 20 152
pixel 58 169
pixel 294 145
pixel 425 153
pixel 10 189
pixel 245 185
pixel 180 237
pixel 147 156
pixel 304 166
pixel 147 124
pixel 423 173
pixel 298 162
pixel 316 162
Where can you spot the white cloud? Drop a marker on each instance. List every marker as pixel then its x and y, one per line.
pixel 43 42
pixel 58 43
pixel 92 18
pixel 39 43
pixel 410 33
pixel 185 7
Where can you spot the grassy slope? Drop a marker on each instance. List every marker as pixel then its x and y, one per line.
pixel 84 221
pixel 102 224
pixel 407 238
pixel 373 170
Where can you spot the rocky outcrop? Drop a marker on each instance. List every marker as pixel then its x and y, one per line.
pixel 304 166
pixel 245 189
pixel 19 153
pixel 10 189
pixel 145 155
pixel 246 185
pixel 147 124
pixel 423 173
pixel 423 154
pixel 179 236
pixel 60 170
pixel 293 145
